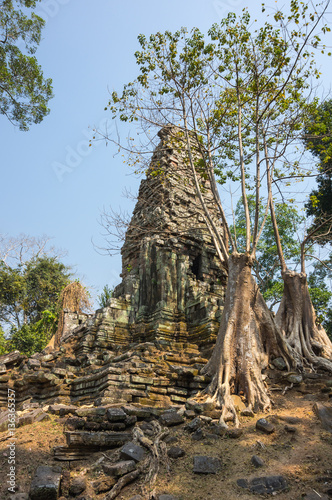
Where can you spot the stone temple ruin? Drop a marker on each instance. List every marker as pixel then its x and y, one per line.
pixel 148 345
pixel 118 379
pixel 172 283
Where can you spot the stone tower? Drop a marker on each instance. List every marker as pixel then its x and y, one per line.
pixel 173 283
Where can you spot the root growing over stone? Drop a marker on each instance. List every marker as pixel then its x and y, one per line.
pixel 248 339
pixel 296 319
pixel 157 456
pixel 123 481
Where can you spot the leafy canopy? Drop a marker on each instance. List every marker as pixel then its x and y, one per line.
pixel 318 141
pixel 33 337
pixel 243 96
pixel 24 92
pixel 29 302
pixel 266 267
pixel 30 289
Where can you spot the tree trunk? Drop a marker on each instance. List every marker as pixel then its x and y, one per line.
pixel 247 340
pixel 296 319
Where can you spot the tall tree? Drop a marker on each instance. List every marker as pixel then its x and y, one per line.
pixel 31 280
pixel 28 290
pixel 318 140
pixel 233 100
pixel 266 267
pixel 320 292
pixel 267 270
pixel 24 92
pixel 296 315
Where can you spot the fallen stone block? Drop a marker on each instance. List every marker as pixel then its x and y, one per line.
pixel 294 378
pixel 264 485
pixel 175 452
pixel 206 465
pixel 61 372
pixel 130 420
pixel 30 406
pixel 113 426
pixel 91 412
pixel 289 420
pixel 131 451
pixel 34 364
pixel 234 433
pixel 263 425
pixel 116 415
pixel 77 486
pixel 11 359
pixel 69 454
pixel 141 380
pixel 279 363
pixel 92 426
pixel 291 429
pixel 61 410
pixel 194 425
pixel 46 483
pixel 36 415
pixel 171 418
pixel 75 423
pixel 140 412
pixel 101 439
pixel 256 461
pixel 198 435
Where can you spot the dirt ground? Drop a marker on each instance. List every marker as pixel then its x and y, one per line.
pixel 303 457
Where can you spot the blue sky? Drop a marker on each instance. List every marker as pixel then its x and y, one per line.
pixel 52 182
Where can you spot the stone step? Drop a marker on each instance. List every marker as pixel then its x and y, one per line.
pixel 101 439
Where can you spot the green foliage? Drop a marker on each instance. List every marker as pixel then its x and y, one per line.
pixel 318 141
pixel 243 95
pixel 105 296
pixel 12 295
pixel 24 92
pixel 267 265
pixel 29 302
pixel 45 277
pixel 30 289
pixel 243 98
pixel 320 293
pixel 4 348
pixel 33 337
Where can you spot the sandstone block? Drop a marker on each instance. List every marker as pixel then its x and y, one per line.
pixel 206 465
pixel 131 451
pixel 171 418
pixel 116 415
pixel 46 483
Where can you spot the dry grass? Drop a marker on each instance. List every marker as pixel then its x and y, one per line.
pixel 302 457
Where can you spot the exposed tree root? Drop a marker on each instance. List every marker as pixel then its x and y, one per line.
pixel 158 455
pixel 128 478
pixel 296 319
pixel 248 338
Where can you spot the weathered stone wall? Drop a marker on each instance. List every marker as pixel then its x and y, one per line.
pixel 148 345
pixel 173 283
